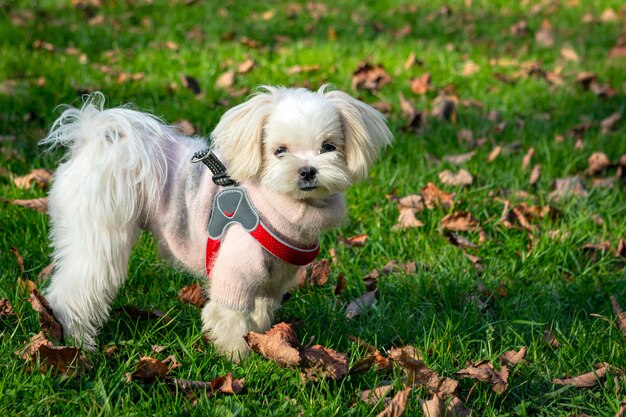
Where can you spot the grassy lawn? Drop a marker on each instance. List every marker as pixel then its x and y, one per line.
pixel 140 51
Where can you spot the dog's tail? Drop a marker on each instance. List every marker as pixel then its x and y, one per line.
pixel 112 177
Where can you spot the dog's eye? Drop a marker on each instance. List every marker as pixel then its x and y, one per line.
pixel 328 147
pixel 280 150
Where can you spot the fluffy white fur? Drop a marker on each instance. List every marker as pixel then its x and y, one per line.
pixel 293 150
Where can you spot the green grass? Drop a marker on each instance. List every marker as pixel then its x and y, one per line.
pixel 554 284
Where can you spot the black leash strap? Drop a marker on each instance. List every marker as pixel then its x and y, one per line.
pixel 208 158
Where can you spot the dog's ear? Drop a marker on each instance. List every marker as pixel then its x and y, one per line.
pixel 365 131
pixel 238 136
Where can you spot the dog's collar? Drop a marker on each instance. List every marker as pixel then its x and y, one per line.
pixel 233 206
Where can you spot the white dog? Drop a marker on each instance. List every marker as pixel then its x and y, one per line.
pixel 292 151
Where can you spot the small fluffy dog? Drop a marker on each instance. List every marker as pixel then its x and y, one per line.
pixel 292 151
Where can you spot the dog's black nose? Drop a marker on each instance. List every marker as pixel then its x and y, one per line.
pixel 307 173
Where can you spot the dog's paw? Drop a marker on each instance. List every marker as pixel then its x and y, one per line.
pixel 225 328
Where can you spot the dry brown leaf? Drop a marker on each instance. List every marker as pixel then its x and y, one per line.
pixel 572 186
pixel 466 136
pixel 460 241
pixel 435 407
pixel 341 283
pixel 619 315
pixel 460 221
pixel 373 396
pixel 321 362
pixel 397 405
pixel 434 197
pixel 226 80
pixel 527 158
pixel 495 152
pixel 354 241
pixel 549 338
pixel 39 204
pixel 222 384
pixel 513 357
pixel 297 69
pixel 138 313
pixel 445 107
pixel 18 258
pixel 618 51
pixel 535 174
pixel 569 54
pixel 5 308
pixel 370 77
pixel 607 124
pixel 476 261
pixel 421 84
pixel 45 273
pixel 185 127
pixel 314 274
pixel 193 294
pixel 407 219
pixel 149 369
pixel 469 68
pixel 39 177
pixel 485 372
pixel 49 325
pixel 459 159
pixel 461 178
pixel 621 248
pixel 544 36
pixel 278 344
pixel 598 162
pixel 360 304
pixel 419 374
pixel 589 379
pixel 246 66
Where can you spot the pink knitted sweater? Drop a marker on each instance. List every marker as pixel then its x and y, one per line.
pixel 242 269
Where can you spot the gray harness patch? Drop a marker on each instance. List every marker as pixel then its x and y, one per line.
pixel 232 205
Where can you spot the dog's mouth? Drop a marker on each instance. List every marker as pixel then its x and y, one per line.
pixel 308 185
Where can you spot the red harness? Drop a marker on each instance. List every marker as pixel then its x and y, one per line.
pixel 232 206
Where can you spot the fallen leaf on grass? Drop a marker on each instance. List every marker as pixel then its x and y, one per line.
pixel 193 294
pixel 435 407
pixel 420 85
pixel 39 204
pixel 589 379
pixel 360 304
pixel 445 108
pixel 49 325
pixel 434 197
pixel 459 159
pixel 278 344
pixel 341 283
pixel 320 362
pixel 549 338
pixel 460 221
pixel 461 178
pixel 544 36
pixel 619 314
pixel 373 396
pixel 5 308
pixel 621 248
pixel 298 69
pixel 485 372
pixel 609 123
pixel 414 119
pixel 534 175
pixel 494 153
pixel 185 127
pixel 314 274
pixel 370 77
pixel 45 273
pixel 513 357
pixel 460 241
pixel 598 162
pixel 18 258
pixel 397 405
pixel 137 313
pixel 526 159
pixel 64 359
pixel 223 384
pixel 246 66
pixel 226 80
pixel 408 206
pixel 354 241
pixel 419 374
pixel 39 177
pixel 572 186
pixel 149 369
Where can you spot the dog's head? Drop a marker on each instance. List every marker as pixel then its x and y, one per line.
pixel 301 143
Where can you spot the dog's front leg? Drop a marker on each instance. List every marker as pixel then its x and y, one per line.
pixel 225 327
